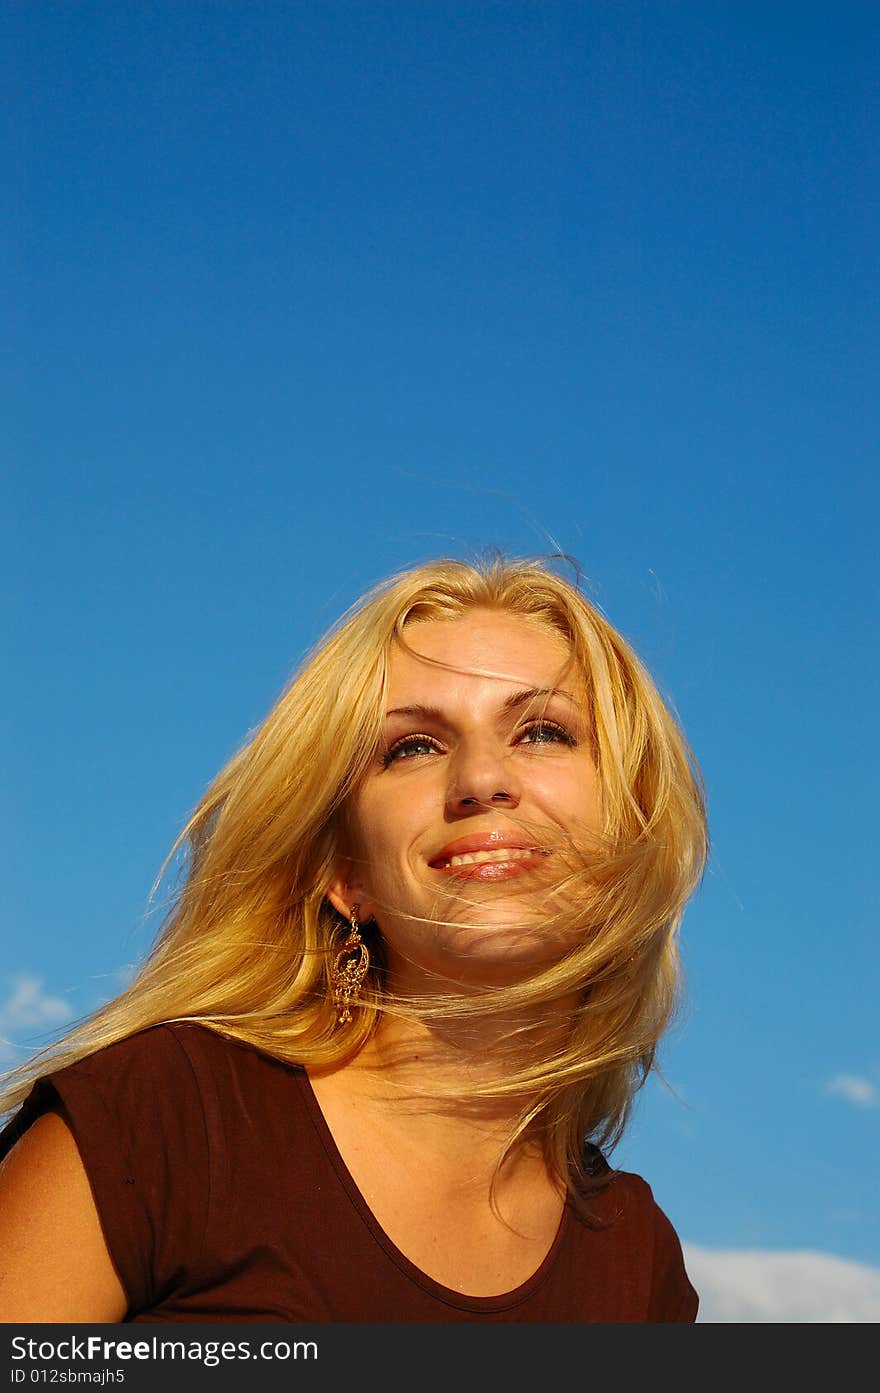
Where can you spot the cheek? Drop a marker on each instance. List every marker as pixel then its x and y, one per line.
pixel 573 797
pixel 381 833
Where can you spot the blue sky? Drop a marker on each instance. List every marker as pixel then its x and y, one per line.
pixel 298 294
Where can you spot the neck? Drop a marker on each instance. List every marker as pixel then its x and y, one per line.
pixel 460 1068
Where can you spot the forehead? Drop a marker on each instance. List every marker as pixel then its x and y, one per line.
pixel 482 645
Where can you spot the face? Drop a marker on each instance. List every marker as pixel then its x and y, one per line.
pixel 454 837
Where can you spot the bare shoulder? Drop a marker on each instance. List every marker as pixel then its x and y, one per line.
pixel 54 1265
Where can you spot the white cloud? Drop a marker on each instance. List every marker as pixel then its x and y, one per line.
pixel 29 1007
pixel 742 1286
pixel 855 1089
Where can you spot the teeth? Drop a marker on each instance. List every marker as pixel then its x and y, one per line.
pixel 509 853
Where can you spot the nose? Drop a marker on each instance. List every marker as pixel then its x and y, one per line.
pixel 481 778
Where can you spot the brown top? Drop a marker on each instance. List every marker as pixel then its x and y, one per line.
pixel 223 1197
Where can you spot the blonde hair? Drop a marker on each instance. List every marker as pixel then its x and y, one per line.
pixel 248 943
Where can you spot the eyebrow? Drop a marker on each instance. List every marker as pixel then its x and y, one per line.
pixel 511 703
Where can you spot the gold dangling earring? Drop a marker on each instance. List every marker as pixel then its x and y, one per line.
pixel 350 967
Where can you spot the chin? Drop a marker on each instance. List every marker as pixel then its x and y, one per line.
pixel 483 955
pixel 479 945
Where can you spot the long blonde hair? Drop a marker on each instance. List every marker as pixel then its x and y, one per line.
pixel 247 945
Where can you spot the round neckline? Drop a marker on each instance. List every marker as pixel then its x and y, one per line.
pixel 448 1295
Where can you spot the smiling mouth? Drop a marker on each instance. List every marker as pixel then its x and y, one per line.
pixel 497 856
pixel 490 864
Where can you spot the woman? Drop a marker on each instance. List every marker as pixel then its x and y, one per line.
pixel 420 964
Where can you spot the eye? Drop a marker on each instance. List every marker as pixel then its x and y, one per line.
pixel 409 747
pixel 544 732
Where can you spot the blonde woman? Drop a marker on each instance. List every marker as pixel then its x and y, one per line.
pixel 420 963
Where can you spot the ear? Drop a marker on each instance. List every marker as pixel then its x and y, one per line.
pixel 346 891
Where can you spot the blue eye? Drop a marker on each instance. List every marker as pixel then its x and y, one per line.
pixel 411 745
pixel 542 732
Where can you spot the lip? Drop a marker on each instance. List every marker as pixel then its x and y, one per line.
pixel 487 841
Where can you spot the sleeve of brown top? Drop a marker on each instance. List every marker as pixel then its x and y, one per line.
pixel 672 1296
pixel 135 1113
